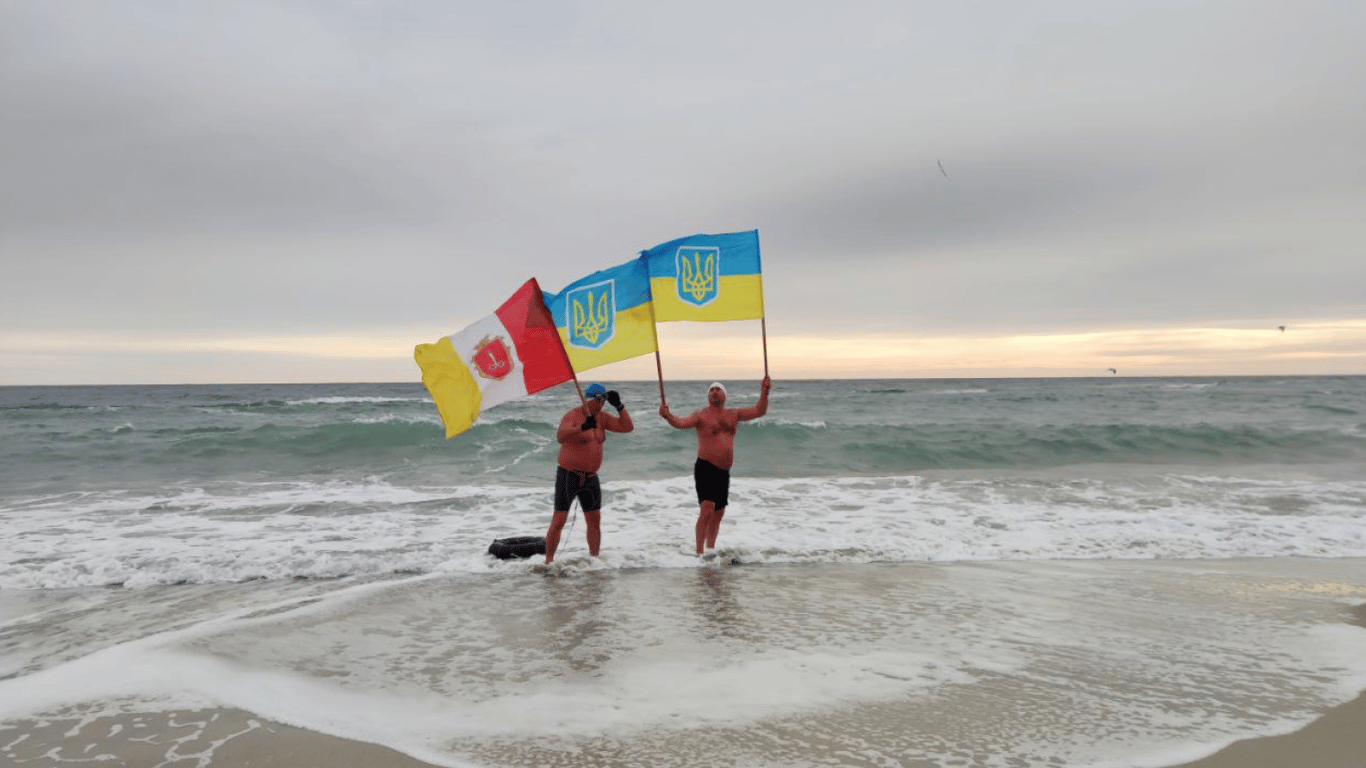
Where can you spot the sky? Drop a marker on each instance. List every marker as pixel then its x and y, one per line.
pixel 302 190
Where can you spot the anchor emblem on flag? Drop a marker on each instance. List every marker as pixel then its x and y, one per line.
pixel 492 359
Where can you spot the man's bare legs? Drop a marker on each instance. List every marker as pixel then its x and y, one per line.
pixel 593 523
pixel 552 536
pixel 715 527
pixel 708 525
pixel 594 532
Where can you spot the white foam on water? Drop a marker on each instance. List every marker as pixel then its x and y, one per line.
pixel 238 531
pixel 342 400
pixel 810 424
pixel 397 418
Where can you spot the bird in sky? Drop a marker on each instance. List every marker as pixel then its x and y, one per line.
pixel 941 168
pixel 1282 327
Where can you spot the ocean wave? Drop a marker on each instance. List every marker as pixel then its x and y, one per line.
pixel 401 418
pixel 1195 386
pixel 771 423
pixel 772 447
pixel 245 404
pixel 879 449
pixel 231 532
pixel 21 407
pixel 163 436
pixel 341 400
pixel 1333 409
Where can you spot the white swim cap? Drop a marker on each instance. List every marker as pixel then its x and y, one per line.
pixel 717 385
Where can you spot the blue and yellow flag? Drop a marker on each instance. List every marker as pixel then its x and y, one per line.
pixel 606 316
pixel 707 277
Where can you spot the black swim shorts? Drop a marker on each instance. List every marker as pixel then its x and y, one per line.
pixel 571 484
pixel 713 483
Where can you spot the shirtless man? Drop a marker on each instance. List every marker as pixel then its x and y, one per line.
pixel 581 435
pixel 715 425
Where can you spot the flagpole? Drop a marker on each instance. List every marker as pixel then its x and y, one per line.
pixel 763 315
pixel 654 329
pixel 583 401
pixel 573 374
pixel 660 369
pixel 763 331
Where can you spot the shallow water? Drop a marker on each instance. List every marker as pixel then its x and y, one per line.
pixel 987 664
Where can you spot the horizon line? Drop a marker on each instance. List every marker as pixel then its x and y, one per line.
pixel 713 378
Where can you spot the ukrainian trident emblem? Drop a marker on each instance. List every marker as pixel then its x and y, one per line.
pixel 592 314
pixel 698 269
pixel 492 359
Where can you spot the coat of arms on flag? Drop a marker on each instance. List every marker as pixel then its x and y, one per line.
pixel 592 314
pixel 491 358
pixel 698 268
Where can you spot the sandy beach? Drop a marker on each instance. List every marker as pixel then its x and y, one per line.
pixel 1336 740
pixel 215 737
pixel 227 738
pixel 973 675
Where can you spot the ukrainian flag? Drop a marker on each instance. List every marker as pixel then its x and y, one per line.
pixel 707 277
pixel 606 316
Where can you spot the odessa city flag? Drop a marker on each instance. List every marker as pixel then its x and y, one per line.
pixel 512 353
pixel 707 277
pixel 606 316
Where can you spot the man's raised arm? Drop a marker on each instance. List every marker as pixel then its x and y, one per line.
pixel 622 421
pixel 676 422
pixel 759 408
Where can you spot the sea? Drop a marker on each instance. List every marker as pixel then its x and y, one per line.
pixel 974 572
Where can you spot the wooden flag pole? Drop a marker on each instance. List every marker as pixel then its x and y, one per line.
pixel 583 401
pixel 763 330
pixel 660 369
pixel 547 317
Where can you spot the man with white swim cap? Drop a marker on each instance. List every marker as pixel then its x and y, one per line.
pixel 716 425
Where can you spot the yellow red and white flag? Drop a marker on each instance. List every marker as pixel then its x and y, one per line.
pixel 512 353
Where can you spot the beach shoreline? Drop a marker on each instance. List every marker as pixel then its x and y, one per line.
pixel 230 737
pixel 125 733
pixel 1334 740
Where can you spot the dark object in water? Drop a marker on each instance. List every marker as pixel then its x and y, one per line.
pixel 517 546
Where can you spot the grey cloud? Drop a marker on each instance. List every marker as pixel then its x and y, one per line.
pixel 85 155
pixel 315 165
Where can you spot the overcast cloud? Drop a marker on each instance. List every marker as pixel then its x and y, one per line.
pixel 393 171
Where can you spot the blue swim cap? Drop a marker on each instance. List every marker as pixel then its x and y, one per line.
pixel 595 389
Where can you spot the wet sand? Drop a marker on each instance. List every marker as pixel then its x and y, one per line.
pixel 1336 740
pixel 214 737
pixel 227 738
